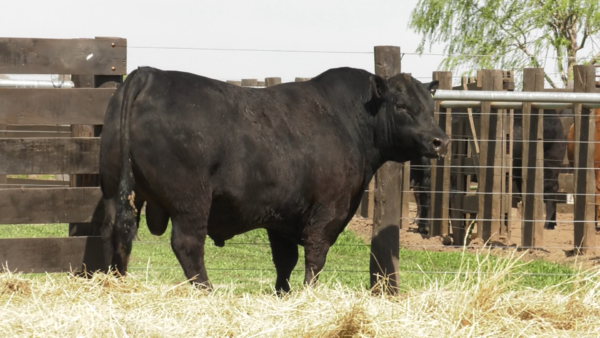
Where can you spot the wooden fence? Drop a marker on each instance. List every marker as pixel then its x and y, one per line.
pixel 482 146
pixel 55 132
pixel 67 125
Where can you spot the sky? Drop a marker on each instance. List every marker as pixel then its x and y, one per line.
pixel 293 38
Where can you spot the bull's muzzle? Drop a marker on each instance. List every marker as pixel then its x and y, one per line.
pixel 440 145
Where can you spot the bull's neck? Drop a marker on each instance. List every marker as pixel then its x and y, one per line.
pixel 374 156
pixel 384 141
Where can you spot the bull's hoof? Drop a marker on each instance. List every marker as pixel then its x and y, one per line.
pixel 204 286
pixel 549 226
pixel 423 229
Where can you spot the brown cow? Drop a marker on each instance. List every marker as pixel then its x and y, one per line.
pixel 571 156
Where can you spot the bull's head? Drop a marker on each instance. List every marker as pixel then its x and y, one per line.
pixel 405 128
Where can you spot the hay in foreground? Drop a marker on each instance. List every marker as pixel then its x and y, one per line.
pixel 478 302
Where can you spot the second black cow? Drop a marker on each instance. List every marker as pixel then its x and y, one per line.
pixel 554 154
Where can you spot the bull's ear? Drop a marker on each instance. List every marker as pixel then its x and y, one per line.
pixel 378 86
pixel 432 86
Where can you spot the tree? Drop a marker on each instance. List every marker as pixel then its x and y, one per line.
pixel 511 34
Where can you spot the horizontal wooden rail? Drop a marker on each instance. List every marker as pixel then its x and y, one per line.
pixel 49 205
pixel 102 56
pixel 32 183
pixel 54 106
pixel 38 128
pixel 38 255
pixel 68 155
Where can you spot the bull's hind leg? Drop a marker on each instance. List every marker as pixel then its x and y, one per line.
pixel 187 241
pixel 285 257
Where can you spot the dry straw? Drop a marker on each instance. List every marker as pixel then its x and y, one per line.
pixel 481 301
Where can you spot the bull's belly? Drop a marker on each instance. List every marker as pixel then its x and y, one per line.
pixel 227 220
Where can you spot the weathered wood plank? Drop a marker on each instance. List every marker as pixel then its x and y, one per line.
pixel 32 183
pixel 565 183
pixel 34 134
pixel 406 197
pixel 470 203
pixel 102 56
pixel 385 240
pixel 2 133
pixel 90 180
pixel 490 159
pixel 440 169
pixel 272 81
pixel 53 106
pixel 585 127
pixel 532 233
pixel 458 182
pixel 38 128
pixel 48 205
pixel 67 155
pixel 38 255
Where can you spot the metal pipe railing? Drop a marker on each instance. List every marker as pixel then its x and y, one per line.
pixel 514 105
pixel 504 96
pixel 6 83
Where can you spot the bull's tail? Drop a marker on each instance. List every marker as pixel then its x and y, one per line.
pixel 125 222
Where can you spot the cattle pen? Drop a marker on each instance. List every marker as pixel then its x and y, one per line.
pixel 52 131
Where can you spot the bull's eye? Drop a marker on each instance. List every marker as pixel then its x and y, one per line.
pixel 401 109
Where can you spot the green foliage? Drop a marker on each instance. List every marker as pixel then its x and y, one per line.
pixel 509 34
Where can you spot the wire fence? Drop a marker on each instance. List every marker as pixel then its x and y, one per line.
pixel 267 50
pixel 508 220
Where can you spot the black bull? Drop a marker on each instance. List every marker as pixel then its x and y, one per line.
pixel 554 145
pixel 220 160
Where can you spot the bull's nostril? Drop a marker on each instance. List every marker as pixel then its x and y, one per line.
pixel 437 143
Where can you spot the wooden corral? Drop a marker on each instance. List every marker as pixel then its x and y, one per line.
pixel 482 146
pixel 55 132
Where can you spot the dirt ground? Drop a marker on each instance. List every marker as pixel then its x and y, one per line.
pixel 558 243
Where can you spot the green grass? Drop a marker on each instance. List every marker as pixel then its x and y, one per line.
pixel 245 261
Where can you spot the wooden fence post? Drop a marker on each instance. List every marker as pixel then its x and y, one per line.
pixel 405 197
pixel 271 81
pixel 249 82
pixel 440 169
pixel 91 180
pixel 489 180
pixel 585 181
pixel 532 233
pixel 3 179
pixel 385 242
